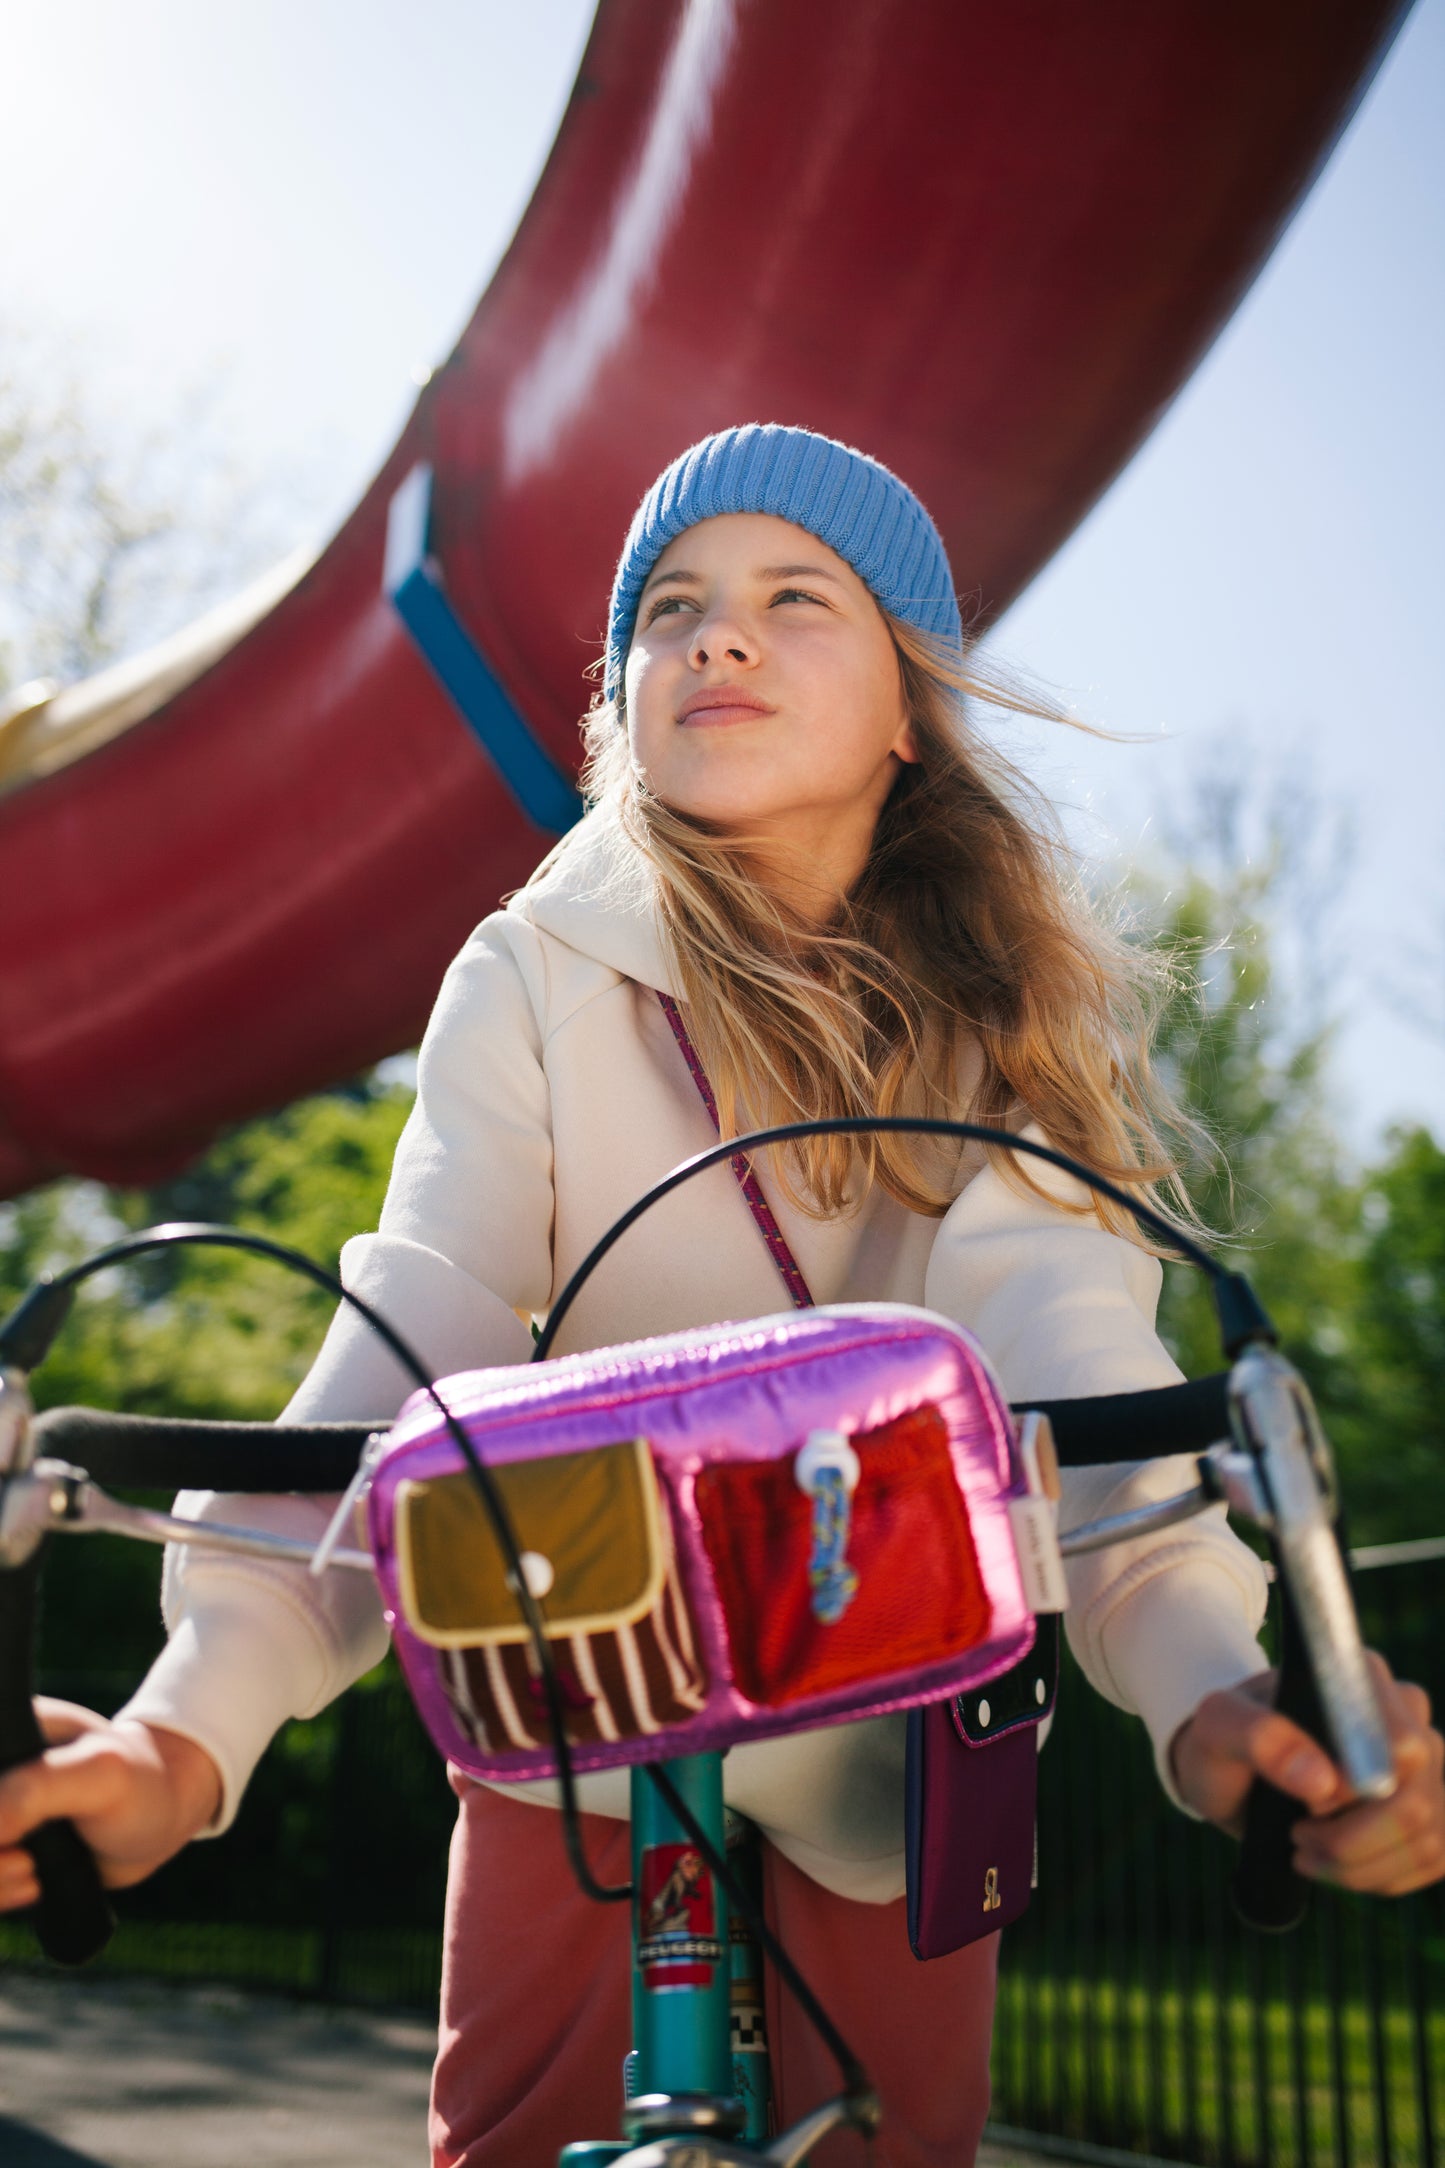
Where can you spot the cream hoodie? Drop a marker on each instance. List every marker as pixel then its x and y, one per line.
pixel 551 1093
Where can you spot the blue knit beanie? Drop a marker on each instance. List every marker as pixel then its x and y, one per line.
pixel 848 500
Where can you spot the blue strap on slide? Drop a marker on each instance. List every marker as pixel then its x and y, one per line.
pixel 412 583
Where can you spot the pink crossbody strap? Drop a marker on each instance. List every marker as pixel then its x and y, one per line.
pixel 747 1181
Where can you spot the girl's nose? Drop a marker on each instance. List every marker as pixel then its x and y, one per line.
pixel 721 638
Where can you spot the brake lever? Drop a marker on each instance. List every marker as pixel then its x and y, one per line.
pixel 1281 1475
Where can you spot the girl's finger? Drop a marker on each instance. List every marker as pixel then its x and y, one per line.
pixel 1417 1702
pixel 62 1721
pixel 1367 1837
pixel 1297 1766
pixel 64 1784
pixel 1417 1745
pixel 1391 1845
pixel 1234 1737
pixel 19 1884
pixel 1406 1707
pixel 1392 1874
pixel 1287 1757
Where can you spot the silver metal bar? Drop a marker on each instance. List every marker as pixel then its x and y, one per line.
pixel 70 1504
pixel 699 2150
pixel 1142 1521
pixel 792 2147
pixel 1419 1551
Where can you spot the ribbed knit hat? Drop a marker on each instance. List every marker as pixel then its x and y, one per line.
pixel 848 500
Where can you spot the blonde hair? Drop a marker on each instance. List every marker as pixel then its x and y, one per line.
pixel 968 924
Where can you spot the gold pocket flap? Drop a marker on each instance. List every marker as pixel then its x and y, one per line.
pixel 593 1516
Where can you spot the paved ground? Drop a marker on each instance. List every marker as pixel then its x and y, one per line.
pixel 131 2074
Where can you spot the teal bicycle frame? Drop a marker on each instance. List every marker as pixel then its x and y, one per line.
pixel 699 2062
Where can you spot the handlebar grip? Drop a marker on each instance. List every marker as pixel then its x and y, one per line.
pixel 73 1920
pixel 1184 1418
pixel 167 1452
pixel 1267 1892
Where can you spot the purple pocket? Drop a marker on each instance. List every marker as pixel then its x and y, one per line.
pixel 972 1791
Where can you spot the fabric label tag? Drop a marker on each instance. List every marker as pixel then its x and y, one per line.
pixel 1041 1569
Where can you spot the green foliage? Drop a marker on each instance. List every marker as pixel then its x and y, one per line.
pixel 1275 1190
pixel 197 1331
pixel 1350 1267
pixel 1389 1415
pixel 1404 1303
pixel 192 1332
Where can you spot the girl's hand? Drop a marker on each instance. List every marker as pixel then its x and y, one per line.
pixel 134 1794
pixel 1388 1846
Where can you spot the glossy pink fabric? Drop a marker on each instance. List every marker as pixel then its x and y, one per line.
pixel 535 2023
pixel 750 1392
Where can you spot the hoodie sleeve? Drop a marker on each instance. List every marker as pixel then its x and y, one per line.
pixel 1064 1308
pixel 464 1244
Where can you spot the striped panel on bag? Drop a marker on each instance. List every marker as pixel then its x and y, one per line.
pixel 621 1684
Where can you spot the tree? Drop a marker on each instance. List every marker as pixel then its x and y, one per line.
pixel 1245 1042
pixel 112 537
pixel 1245 1047
pixel 197 1331
pixel 1391 1426
pixel 192 1332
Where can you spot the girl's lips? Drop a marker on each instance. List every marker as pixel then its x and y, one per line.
pixel 727 710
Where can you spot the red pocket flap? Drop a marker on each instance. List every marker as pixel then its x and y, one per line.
pixel 920 1595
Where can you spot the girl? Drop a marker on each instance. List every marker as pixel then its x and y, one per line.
pixel 798 841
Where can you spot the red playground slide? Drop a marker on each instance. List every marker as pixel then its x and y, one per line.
pixel 987 243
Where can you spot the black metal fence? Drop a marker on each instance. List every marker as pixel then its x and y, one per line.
pixel 330 1882
pixel 1133 2011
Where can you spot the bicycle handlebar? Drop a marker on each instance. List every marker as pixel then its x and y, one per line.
pixel 162 1452
pixel 166 1453
pixel 74 1920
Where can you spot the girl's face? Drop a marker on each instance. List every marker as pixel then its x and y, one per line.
pixel 764 693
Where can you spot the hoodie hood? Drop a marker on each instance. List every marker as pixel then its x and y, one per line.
pixel 594 890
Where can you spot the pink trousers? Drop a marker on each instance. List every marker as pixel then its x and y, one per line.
pixel 535 1993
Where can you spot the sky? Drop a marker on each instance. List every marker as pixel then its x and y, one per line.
pixel 293 206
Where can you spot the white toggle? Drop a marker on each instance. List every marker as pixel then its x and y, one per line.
pixel 826 1449
pixel 538 1573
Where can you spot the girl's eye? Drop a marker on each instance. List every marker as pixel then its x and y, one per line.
pixel 665 606
pixel 795 594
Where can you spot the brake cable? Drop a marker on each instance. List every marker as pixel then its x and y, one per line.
pixel 1241 1315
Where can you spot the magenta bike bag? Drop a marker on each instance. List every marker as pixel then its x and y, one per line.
pixel 733 1532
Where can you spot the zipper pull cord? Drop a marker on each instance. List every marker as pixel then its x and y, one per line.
pixel 827 1470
